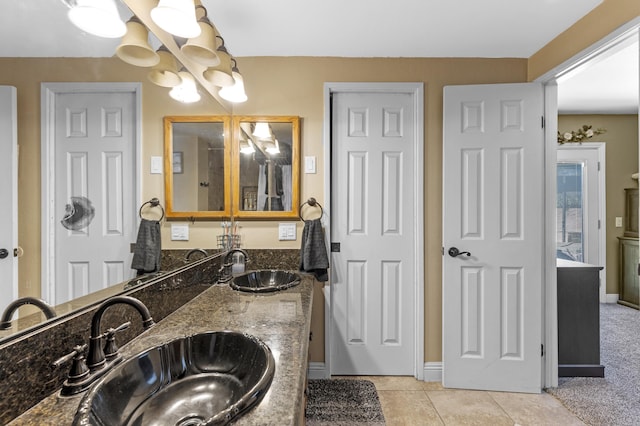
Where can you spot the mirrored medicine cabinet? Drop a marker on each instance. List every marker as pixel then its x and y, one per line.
pixel 241 166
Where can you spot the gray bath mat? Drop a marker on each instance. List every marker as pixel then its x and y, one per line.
pixel 343 402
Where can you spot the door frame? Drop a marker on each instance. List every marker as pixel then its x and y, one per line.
pixel 550 83
pixel 9 118
pixel 416 90
pixel 48 93
pixel 600 148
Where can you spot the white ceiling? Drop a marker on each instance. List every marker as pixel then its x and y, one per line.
pixel 352 28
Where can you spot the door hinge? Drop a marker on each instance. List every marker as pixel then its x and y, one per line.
pixel 542 121
pixel 598 223
pixel 598 166
pixel 541 349
pixel 443 251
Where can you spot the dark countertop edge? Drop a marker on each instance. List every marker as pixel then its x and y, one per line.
pixel 562 263
pixel 221 308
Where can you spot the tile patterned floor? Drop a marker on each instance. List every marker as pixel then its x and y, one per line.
pixel 407 401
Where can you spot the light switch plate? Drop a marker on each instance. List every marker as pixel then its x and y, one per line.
pixel 287 231
pixel 310 164
pixel 156 165
pixel 618 222
pixel 179 232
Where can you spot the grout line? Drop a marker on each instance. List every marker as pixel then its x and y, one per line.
pixel 426 393
pixel 501 407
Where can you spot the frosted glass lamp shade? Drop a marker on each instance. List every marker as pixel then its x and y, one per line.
pixel 246 147
pixel 177 17
pixel 134 48
pixel 202 48
pixel 186 92
pixel 273 148
pixel 165 73
pixel 97 17
pixel 220 75
pixel 235 93
pixel 262 130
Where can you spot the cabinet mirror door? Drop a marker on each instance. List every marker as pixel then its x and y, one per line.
pixel 266 158
pixel 197 167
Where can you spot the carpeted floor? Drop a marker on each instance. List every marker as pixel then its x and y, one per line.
pixel 614 399
pixel 339 402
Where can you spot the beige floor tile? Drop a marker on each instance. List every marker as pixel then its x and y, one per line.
pixel 432 386
pixel 535 409
pixel 408 408
pixel 462 407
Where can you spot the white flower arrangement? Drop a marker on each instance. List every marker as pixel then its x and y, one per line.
pixel 580 135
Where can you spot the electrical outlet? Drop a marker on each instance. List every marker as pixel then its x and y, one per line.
pixel 618 222
pixel 179 232
pixel 287 231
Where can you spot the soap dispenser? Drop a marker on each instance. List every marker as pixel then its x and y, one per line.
pixel 237 267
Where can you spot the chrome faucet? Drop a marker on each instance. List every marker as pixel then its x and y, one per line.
pixel 195 250
pixel 100 358
pixel 227 263
pixel 5 322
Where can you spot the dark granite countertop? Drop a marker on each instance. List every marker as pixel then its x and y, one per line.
pixel 281 319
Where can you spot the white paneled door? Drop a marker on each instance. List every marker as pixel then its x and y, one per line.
pixel 493 160
pixel 373 274
pixel 8 195
pixel 95 185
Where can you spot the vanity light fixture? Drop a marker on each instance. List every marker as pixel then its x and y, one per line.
pixel 134 48
pixel 177 17
pixel 165 73
pixel 221 75
pixel 262 130
pixel 97 17
pixel 186 92
pixel 235 93
pixel 203 48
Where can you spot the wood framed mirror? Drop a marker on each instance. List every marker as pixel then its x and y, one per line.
pixel 266 178
pixel 197 164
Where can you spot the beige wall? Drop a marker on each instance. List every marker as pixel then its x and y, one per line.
pixel 621 149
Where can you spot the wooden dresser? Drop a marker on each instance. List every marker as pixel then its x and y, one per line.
pixel 628 282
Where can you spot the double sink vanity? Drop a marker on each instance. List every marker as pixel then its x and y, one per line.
pixel 235 352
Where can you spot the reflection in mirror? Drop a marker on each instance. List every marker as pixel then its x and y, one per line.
pixel 197 167
pixel 266 158
pixel 65 54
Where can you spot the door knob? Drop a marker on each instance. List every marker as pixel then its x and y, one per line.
pixel 454 252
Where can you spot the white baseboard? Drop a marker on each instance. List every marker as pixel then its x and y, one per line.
pixel 432 372
pixel 612 298
pixel 317 370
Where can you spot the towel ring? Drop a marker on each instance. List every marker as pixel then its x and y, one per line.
pixel 313 203
pixel 154 202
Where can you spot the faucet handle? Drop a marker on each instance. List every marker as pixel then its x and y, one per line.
pixel 110 347
pixel 79 369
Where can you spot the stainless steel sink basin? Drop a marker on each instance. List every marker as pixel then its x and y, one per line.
pixel 204 379
pixel 265 280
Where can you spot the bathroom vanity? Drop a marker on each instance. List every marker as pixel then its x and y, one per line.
pixel 578 319
pixel 280 319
